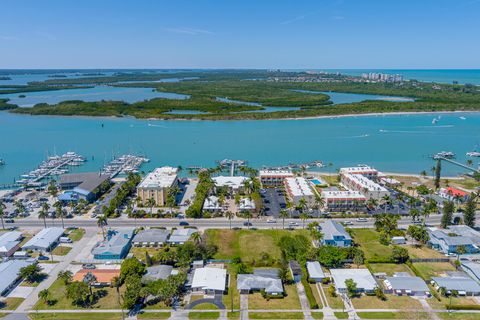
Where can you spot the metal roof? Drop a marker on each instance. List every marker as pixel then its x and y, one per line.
pixel 152 235
pixel 407 283
pixel 362 277
pixel 457 283
pixel 315 270
pixel 87 181
pixel 115 243
pixel 258 282
pixel 157 272
pixel 44 239
pixel 331 229
pixel 9 271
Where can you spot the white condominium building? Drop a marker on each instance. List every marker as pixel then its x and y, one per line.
pixel 366 171
pixel 338 201
pixel 156 184
pixel 298 188
pixel 368 188
pixel 274 178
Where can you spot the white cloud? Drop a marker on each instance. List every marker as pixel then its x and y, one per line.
pixel 189 31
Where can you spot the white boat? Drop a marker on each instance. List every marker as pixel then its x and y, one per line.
pixel 444 154
pixel 473 154
pixel 463 118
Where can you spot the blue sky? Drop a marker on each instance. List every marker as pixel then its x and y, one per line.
pixel 240 34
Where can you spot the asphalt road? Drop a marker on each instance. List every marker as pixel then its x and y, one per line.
pixel 215 223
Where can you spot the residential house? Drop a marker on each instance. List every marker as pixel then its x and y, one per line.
pixel 449 240
pixel 315 272
pixel 362 277
pixel 9 243
pixel 115 246
pixel 472 269
pixel 209 280
pixel 261 279
pixel 10 274
pixel 334 234
pixel 158 272
pixel 453 194
pixel 97 277
pixel 405 284
pixel 180 236
pixel 295 270
pixel 464 285
pixel 212 204
pixel 234 184
pixel 45 240
pixel 246 204
pixel 150 238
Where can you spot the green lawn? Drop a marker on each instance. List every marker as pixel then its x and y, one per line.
pixel 314 289
pixel 389 268
pixel 392 315
pixel 392 302
pixel 75 316
pixel 61 251
pixel 203 315
pixel 423 252
pixel 444 301
pixel 10 303
pixel 153 315
pixel 205 306
pixel 76 235
pixel 341 315
pixel 428 270
pixel 317 315
pixel 333 302
pixel 249 245
pixel 289 302
pixel 232 293
pixel 57 290
pixel 275 315
pixel 368 239
pixel 233 315
pixel 459 316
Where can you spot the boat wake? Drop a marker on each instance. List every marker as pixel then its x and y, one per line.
pixel 444 126
pixel 356 137
pixel 156 125
pixel 404 131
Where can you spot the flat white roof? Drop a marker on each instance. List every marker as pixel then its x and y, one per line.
pixel 298 187
pixel 364 182
pixel 211 203
pixel 346 195
pixel 232 182
pixel 163 177
pixel 362 277
pixel 315 270
pixel 44 239
pixel 360 169
pixel 209 278
pixel 280 173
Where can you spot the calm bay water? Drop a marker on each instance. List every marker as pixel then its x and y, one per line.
pixel 398 143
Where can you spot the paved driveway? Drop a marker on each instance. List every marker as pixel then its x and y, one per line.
pixel 217 300
pixel 20 292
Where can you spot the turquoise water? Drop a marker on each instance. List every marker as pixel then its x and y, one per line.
pixel 92 94
pixel 398 143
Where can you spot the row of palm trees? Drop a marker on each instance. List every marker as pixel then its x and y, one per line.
pixel 59 212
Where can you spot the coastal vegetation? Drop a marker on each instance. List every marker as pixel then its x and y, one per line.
pixel 275 89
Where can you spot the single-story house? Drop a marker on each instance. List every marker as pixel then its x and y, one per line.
pixel 9 243
pixel 212 204
pixel 159 272
pixel 295 270
pixel 180 236
pixel 315 272
pixel 407 284
pixel 465 286
pixel 45 240
pixel 334 234
pixel 450 239
pixel 150 238
pixel 261 279
pixel 472 269
pixel 115 246
pixel 246 204
pixel 9 272
pixel 99 277
pixel 209 280
pixel 362 277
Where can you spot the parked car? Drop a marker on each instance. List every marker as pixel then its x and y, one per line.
pixel 88 266
pixel 184 223
pixel 271 221
pixel 247 224
pixel 9 221
pixel 65 240
pixel 347 223
pixel 362 220
pixel 43 258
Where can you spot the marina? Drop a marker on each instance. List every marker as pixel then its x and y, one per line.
pixel 127 163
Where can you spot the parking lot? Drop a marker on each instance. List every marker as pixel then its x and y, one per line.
pixel 273 201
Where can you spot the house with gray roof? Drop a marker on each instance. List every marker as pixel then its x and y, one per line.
pixel 465 286
pixel 315 272
pixel 115 246
pixel 159 272
pixel 334 234
pixel 261 279
pixel 472 269
pixel 45 240
pixel 150 238
pixel 84 184
pixel 404 284
pixel 10 274
pixel 180 236
pixel 9 243
pixel 449 240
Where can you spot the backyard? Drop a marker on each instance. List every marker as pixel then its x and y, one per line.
pixel 289 302
pixel 389 268
pixel 368 240
pixel 427 270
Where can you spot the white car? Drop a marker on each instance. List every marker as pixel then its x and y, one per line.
pixel 292 223
pixel 271 221
pixel 362 220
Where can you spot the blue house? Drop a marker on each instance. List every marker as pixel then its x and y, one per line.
pixel 449 240
pixel 116 246
pixel 334 234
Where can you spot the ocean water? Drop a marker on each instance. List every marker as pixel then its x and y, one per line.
pixel 392 143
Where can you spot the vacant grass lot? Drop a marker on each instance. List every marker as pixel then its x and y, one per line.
pixel 249 245
pixel 455 301
pixel 275 315
pixel 10 303
pixel 428 270
pixel 108 299
pixel 290 302
pixel 153 315
pixel 392 315
pixel 333 302
pixel 61 251
pixel 76 235
pixel 423 252
pixel 75 316
pixel 392 302
pixel 368 239
pixel 458 316
pixel 232 295
pixel 389 268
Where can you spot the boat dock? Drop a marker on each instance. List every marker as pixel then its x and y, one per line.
pixel 127 163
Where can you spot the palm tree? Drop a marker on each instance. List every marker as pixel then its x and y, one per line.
pixel 101 223
pixel 196 238
pixel 386 200
pixel 20 207
pixel 303 217
pixel 2 213
pixel 59 212
pixel 150 203
pixel 43 213
pixel 44 295
pixel 230 215
pixel 283 215
pixel 301 205
pixel 117 283
pixel 319 202
pixel 52 188
pixel 414 213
